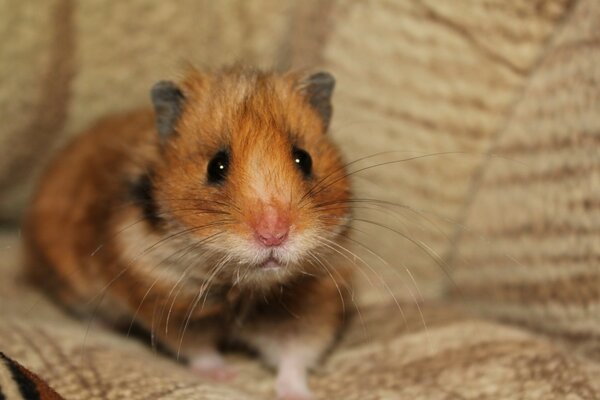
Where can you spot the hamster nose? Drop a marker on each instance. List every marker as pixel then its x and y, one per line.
pixel 272 228
pixel 273 238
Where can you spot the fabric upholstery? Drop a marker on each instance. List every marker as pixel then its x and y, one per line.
pixel 529 252
pixel 499 98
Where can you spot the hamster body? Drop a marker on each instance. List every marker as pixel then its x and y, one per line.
pixel 216 216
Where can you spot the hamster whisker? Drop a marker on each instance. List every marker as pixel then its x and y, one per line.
pixel 384 163
pixel 205 288
pixel 231 203
pixel 196 210
pixel 353 262
pixel 335 246
pixel 100 296
pixel 417 300
pixel 125 203
pixel 422 245
pixel 422 213
pixel 351 291
pixel 385 263
pixel 187 248
pixel 178 234
pixel 184 251
pixel 179 281
pixel 322 264
pixel 245 275
pixel 415 210
pixel 303 272
pixel 343 169
pixel 419 244
pixel 321 185
pixel 140 220
pixel 226 206
pixel 99 247
pixel 381 209
pixel 345 235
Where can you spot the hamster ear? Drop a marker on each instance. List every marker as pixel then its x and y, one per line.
pixel 318 89
pixel 167 99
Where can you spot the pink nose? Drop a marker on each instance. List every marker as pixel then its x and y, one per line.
pixel 272 227
pixel 273 238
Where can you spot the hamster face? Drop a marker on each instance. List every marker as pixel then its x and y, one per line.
pixel 252 176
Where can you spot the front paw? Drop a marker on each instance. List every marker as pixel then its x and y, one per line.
pixel 211 365
pixel 293 389
pixel 292 395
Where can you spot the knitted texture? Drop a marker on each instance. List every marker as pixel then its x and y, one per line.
pixel 529 252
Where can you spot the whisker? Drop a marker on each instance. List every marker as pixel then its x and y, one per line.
pixel 420 244
pixel 320 185
pixel 380 208
pixel 332 243
pixel 418 211
pixel 185 250
pixel 348 164
pixel 332 278
pixel 405 267
pixel 193 211
pixel 181 278
pixel 204 288
pixel 100 296
pixel 352 297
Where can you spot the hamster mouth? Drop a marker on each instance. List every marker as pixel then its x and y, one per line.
pixel 270 264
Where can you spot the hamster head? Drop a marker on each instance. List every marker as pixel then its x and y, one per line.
pixel 248 172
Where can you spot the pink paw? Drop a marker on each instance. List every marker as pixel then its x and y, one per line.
pixel 295 395
pixel 212 366
pixel 293 390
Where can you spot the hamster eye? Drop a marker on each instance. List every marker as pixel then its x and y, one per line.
pixel 303 161
pixel 217 167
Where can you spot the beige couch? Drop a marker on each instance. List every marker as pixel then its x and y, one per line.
pixel 502 98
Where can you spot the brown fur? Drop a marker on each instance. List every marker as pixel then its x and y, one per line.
pixel 92 243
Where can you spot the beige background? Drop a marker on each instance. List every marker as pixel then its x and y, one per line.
pixel 504 224
pixel 413 77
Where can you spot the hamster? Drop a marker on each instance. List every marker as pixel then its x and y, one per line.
pixel 217 216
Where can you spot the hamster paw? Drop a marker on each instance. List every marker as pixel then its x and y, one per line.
pixel 291 395
pixel 293 390
pixel 212 366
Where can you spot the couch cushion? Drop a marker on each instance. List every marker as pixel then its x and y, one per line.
pixel 530 251
pixel 423 78
pixel 426 352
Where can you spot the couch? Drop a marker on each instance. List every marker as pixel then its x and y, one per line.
pixel 494 108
